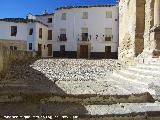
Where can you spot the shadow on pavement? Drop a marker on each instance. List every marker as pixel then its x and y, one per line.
pixel 22 79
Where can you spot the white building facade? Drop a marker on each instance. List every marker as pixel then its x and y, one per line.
pixel 73 32
pixel 35 34
pixel 86 31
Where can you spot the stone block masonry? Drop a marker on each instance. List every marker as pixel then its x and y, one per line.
pixel 132 25
pixel 8 56
pixel 139 29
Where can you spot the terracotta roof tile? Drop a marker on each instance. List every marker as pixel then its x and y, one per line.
pixel 20 20
pixel 70 7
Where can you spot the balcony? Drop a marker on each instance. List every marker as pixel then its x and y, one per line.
pixel 62 37
pixel 108 38
pixel 84 39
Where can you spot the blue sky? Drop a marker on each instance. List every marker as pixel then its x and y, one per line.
pixel 19 8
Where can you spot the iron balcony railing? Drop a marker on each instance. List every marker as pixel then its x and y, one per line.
pixel 62 37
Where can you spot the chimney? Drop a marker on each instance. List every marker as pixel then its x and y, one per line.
pixel 45 12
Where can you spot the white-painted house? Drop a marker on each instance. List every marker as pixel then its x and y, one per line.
pixel 81 31
pixel 86 31
pixel 32 33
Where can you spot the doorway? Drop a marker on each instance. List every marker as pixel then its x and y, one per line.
pixel 62 50
pixel 83 51
pixel 107 51
pixel 49 49
pixel 39 49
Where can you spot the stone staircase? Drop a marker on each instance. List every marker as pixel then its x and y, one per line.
pixel 143 79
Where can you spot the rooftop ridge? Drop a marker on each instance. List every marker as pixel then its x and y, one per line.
pixel 20 20
pixel 45 14
pixel 85 6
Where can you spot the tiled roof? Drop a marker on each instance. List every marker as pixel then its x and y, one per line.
pixel 20 20
pixel 70 7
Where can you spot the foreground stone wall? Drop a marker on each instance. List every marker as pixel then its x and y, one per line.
pixel 20 44
pixel 7 57
pixel 127 22
pixel 132 26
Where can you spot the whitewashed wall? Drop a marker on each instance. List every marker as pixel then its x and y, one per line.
pixel 5 31
pixel 23 34
pixel 96 23
pixel 44 40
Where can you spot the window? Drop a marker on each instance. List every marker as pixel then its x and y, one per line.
pixel 63 31
pixel 31 31
pixel 84 34
pixel 63 36
pixel 108 31
pixel 49 34
pixel 30 46
pixel 13 48
pixel 13 30
pixel 40 32
pixel 49 20
pixel 107 49
pixel 109 14
pixel 63 17
pixel 85 15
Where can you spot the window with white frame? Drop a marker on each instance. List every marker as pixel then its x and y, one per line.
pixel 85 30
pixel 64 16
pixel 85 15
pixel 62 31
pixel 108 34
pixel 108 31
pixel 109 14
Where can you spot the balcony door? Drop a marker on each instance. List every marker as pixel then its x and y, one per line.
pixel 84 34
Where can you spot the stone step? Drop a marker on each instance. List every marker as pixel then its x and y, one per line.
pixel 148 67
pixel 141 78
pixel 154 63
pixel 134 74
pixel 85 99
pixel 122 78
pixel 143 71
pixel 122 108
pixel 131 75
pixel 132 86
pixel 83 111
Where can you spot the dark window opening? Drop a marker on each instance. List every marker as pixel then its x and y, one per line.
pixel 40 32
pixel 30 46
pixel 63 37
pixel 31 31
pixel 13 48
pixel 13 30
pixel 49 20
pixel 84 36
pixel 49 34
